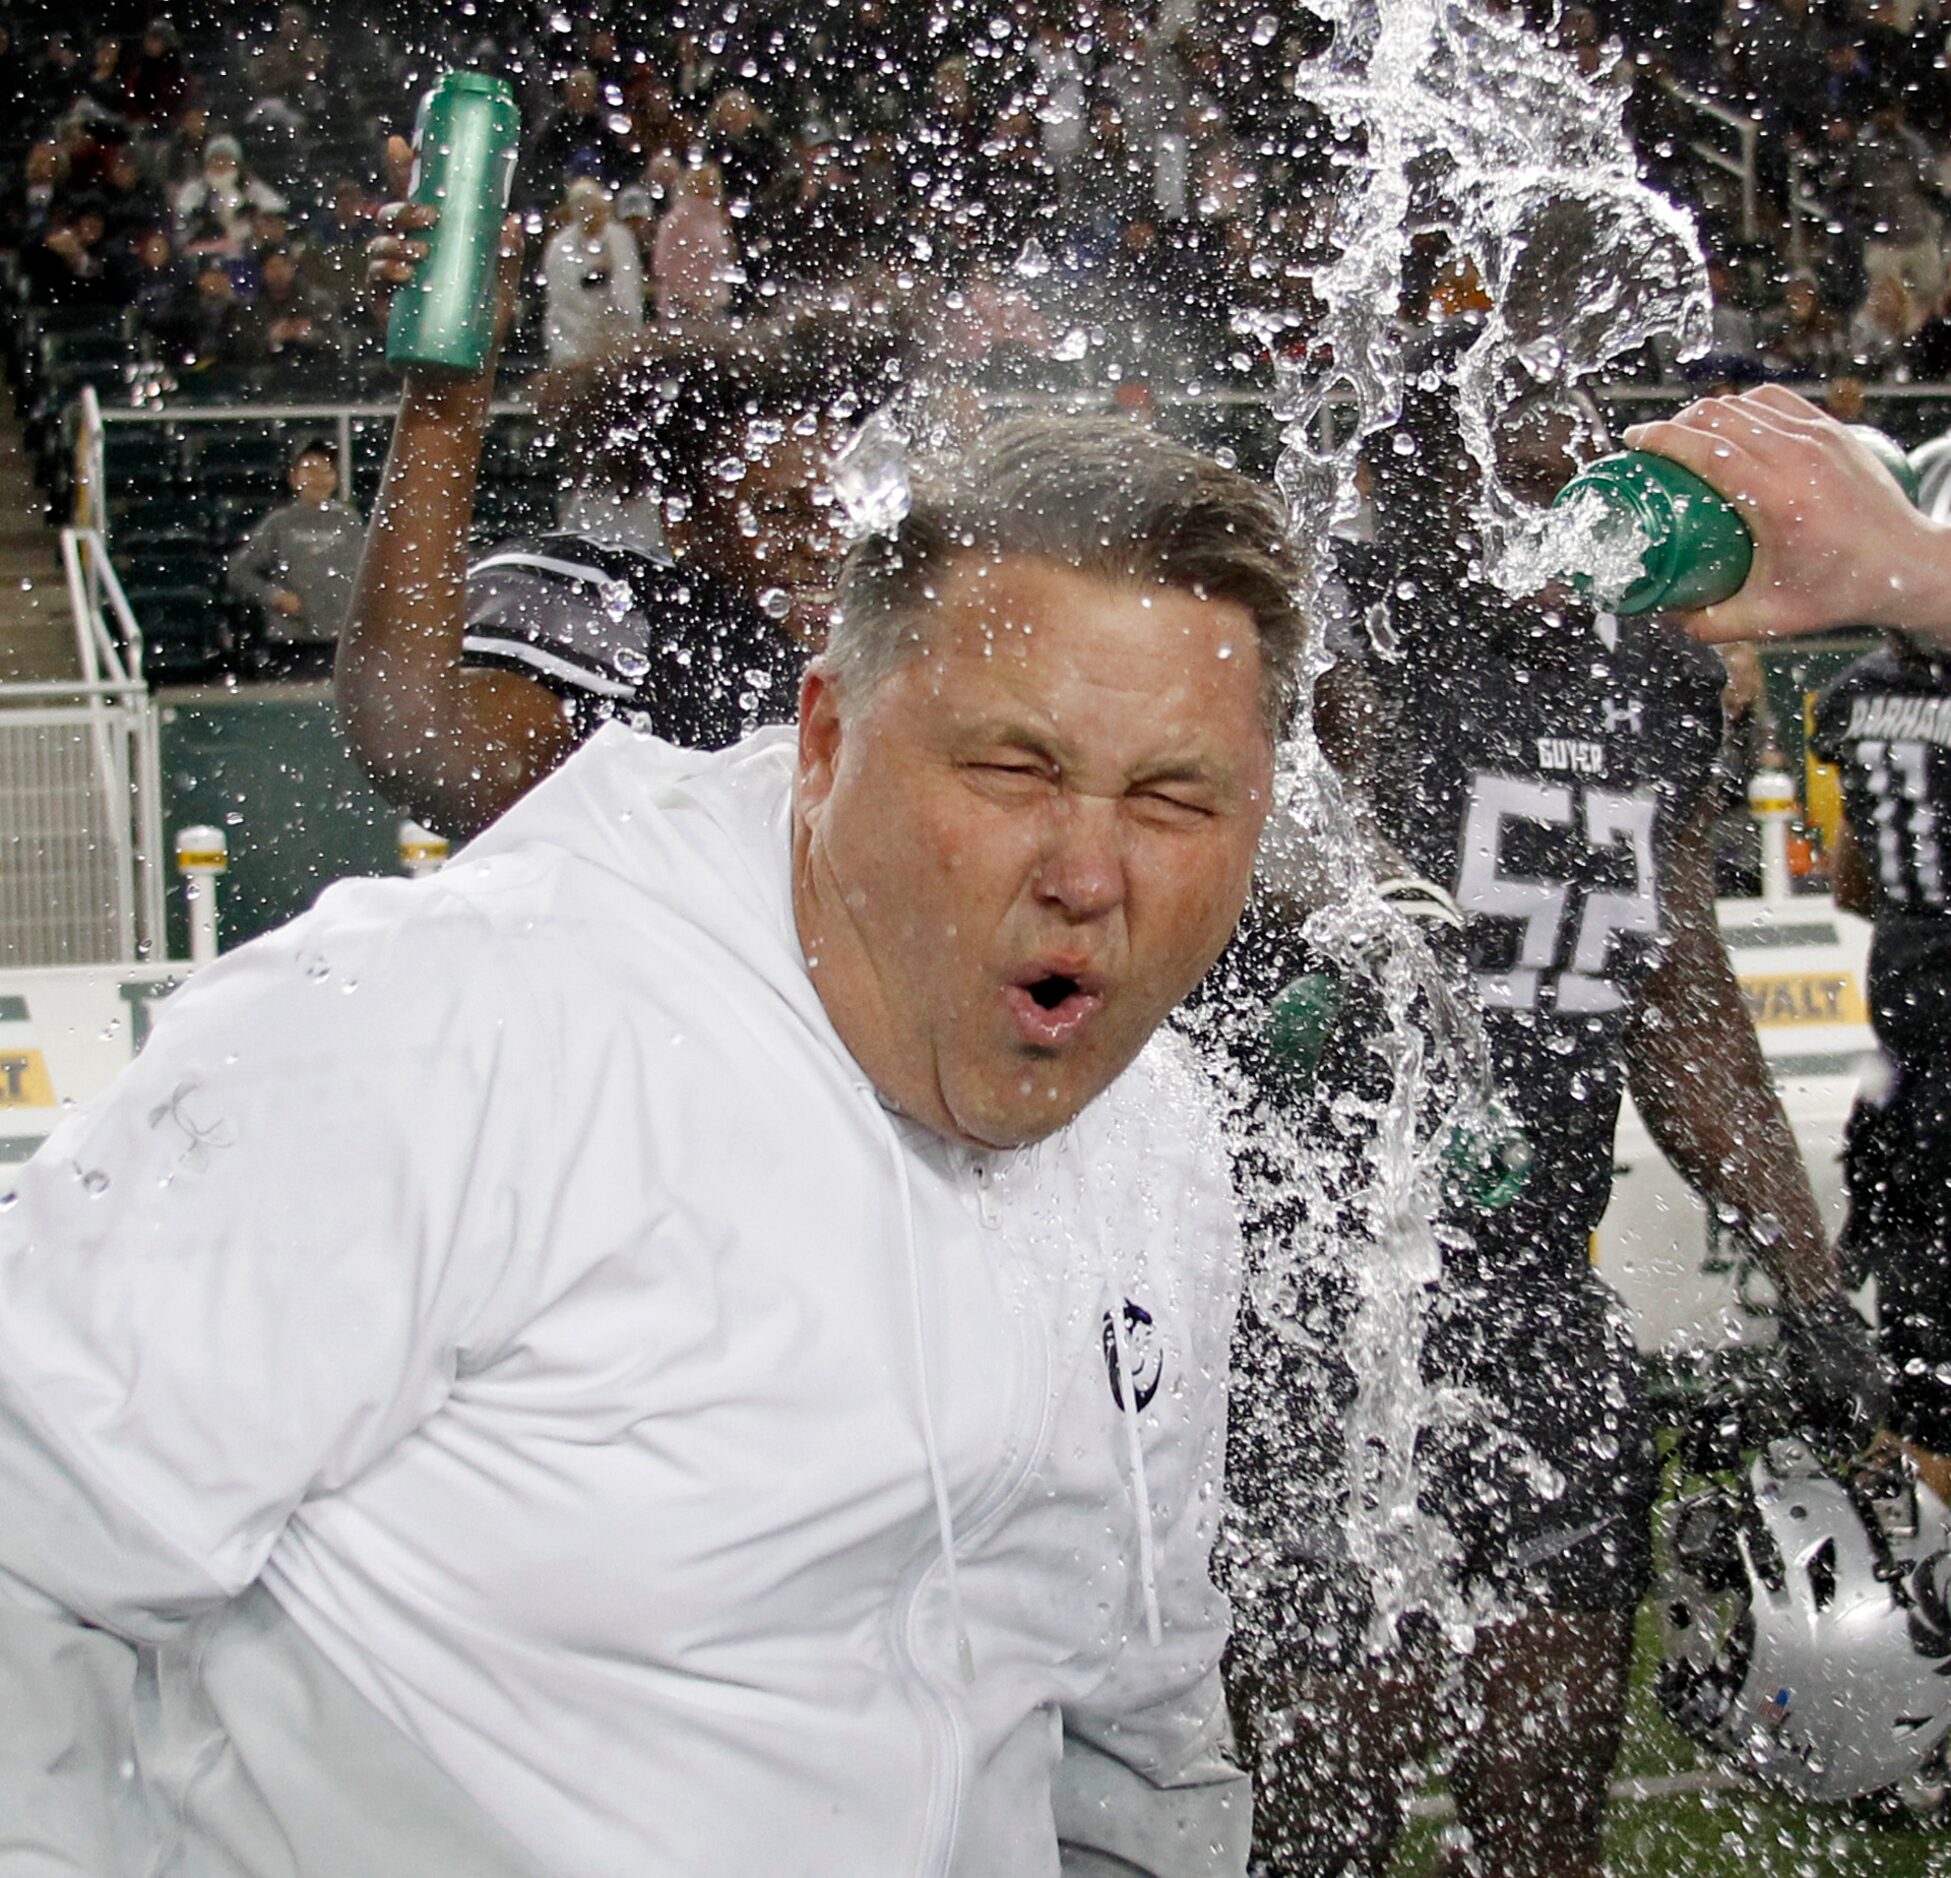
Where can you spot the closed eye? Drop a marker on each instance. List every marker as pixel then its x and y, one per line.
pixel 1170 809
pixel 1011 780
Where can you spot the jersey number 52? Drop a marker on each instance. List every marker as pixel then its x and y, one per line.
pixel 1566 930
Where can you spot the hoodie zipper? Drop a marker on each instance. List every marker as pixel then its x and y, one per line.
pixel 988 1207
pixel 985 1512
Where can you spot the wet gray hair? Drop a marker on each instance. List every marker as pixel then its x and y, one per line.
pixel 1101 495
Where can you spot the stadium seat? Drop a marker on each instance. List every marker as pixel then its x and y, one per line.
pixel 141 459
pixel 183 631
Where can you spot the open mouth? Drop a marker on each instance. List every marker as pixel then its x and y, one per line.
pixel 1049 1008
pixel 1049 993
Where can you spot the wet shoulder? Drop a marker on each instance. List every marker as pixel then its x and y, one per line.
pixel 637 833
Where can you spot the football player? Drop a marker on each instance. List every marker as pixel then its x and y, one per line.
pixel 1886 723
pixel 1551 768
pixel 684 595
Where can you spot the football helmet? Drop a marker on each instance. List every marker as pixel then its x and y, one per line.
pixel 1804 1623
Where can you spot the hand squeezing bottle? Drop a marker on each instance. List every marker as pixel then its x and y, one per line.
pixel 1697 550
pixel 465 141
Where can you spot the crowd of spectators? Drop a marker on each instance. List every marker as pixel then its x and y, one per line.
pixel 1049 177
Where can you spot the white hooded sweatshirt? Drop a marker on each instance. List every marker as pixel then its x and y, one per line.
pixel 536 1410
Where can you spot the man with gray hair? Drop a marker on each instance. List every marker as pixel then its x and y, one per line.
pixel 693 1341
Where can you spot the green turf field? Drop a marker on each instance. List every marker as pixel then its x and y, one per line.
pixel 1740 1833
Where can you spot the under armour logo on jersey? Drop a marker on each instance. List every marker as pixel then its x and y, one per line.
pixel 1147 1358
pixel 1624 717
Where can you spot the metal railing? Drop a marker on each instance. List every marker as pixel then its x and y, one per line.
pixel 1725 128
pixel 81 857
pixel 94 418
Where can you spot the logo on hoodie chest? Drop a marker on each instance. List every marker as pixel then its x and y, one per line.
pixel 1142 1345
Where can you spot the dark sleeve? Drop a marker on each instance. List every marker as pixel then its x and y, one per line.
pixel 1831 717
pixel 562 622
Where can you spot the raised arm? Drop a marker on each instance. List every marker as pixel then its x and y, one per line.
pixel 450 744
pixel 1836 542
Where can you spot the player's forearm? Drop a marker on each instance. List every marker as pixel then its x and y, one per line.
pixel 1702 1088
pixel 399 664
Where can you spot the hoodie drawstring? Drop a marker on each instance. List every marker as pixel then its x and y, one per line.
pixel 937 1480
pixel 1135 1460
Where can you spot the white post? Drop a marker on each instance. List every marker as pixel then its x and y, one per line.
pixel 421 850
pixel 201 855
pixel 1771 801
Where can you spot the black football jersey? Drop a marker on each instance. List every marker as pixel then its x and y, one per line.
pixel 1542 768
pixel 618 633
pixel 1886 724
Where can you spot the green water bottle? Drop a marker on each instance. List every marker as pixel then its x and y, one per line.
pixel 1698 550
pixel 465 141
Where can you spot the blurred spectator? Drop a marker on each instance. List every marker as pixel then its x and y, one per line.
pixel 158 280
pixel 176 157
pixel 1734 326
pixel 298 567
pixel 105 85
pixel 278 133
pixel 1018 192
pixel 1880 329
pixel 130 201
pixel 205 328
pixel 70 266
pixel 294 65
pixel 57 78
pixel 694 254
pixel 1060 102
pixel 287 319
pixel 592 280
pixel 155 79
pixel 214 211
pixel 741 141
pixel 582 136
pixel 695 70
pixel 30 208
pixel 333 260
pixel 1903 233
pixel 1846 399
pixel 1847 87
pixel 1802 337
pixel 655 125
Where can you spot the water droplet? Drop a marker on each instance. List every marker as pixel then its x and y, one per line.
pixel 1032 263
pixel 630 661
pixel 617 599
pixel 1073 346
pixel 94 1183
pixel 870 476
pixel 775 603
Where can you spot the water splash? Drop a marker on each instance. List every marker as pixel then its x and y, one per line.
pixel 1460 120
pixel 1598 541
pixel 1467 123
